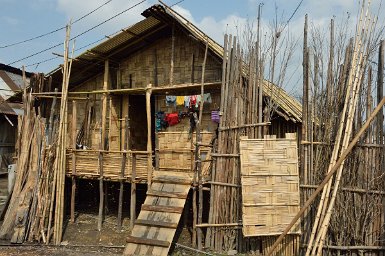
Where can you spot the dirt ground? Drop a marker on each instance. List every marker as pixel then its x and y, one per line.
pixel 82 237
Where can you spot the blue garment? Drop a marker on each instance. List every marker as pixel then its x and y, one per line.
pixel 170 100
pixel 187 101
pixel 207 98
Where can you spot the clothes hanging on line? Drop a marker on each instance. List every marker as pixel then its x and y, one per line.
pixel 170 100
pixel 180 100
pixel 215 116
pixel 172 119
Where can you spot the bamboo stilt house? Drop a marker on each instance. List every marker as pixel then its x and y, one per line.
pixel 156 104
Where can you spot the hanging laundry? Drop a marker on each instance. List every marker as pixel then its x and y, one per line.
pixel 160 123
pixel 215 116
pixel 170 100
pixel 187 101
pixel 193 101
pixel 180 100
pixel 172 119
pixel 207 98
pixel 199 100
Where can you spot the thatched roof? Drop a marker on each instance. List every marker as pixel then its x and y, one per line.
pixel 158 19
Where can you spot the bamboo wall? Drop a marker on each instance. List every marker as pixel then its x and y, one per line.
pixel 152 64
pixel 87 165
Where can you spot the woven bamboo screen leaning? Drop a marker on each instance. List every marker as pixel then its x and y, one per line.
pixel 270 185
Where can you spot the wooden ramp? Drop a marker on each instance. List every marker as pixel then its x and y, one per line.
pixel 158 220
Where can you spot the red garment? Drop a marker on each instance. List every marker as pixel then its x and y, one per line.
pixel 193 101
pixel 172 119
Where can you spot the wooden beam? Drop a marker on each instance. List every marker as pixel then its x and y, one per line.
pixel 162 208
pixel 156 223
pixel 166 194
pixel 147 241
pixel 171 180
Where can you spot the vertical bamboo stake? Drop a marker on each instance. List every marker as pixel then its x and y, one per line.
pixel 50 123
pixel 149 140
pixel 102 144
pixel 213 190
pixel 122 170
pixel 380 91
pixel 172 55
pixel 194 233
pixel 73 190
pixel 260 73
pixel 380 120
pixel 329 82
pixel 101 187
pixel 60 164
pixel 305 103
pixel 133 192
pixel 197 149
pixel 192 68
pixel 109 124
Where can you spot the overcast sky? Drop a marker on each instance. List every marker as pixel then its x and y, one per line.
pixel 23 19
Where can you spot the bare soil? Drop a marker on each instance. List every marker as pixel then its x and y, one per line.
pixel 83 238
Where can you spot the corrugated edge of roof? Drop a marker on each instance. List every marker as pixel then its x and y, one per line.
pixel 5 108
pixel 14 70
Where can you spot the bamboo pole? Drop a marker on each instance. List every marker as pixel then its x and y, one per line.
pixel 260 72
pixel 214 191
pixel 198 153
pixel 329 82
pixel 73 180
pixel 305 99
pixel 122 170
pixel 102 144
pixel 335 167
pixel 133 192
pixel 172 55
pixel 60 166
pixel 149 140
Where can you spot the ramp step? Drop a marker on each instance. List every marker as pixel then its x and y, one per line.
pixel 171 180
pixel 166 194
pixel 147 241
pixel 162 208
pixel 159 224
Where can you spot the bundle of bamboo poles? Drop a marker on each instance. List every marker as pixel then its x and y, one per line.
pixel 27 215
pixel 241 109
pixel 37 200
pixel 358 63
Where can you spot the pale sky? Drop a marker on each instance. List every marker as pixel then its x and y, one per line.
pixel 23 19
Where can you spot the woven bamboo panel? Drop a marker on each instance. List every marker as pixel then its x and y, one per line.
pixel 87 164
pixel 176 149
pixel 270 185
